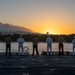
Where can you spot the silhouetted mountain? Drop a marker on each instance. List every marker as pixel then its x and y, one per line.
pixel 7 28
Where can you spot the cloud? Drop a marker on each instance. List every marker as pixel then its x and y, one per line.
pixel 5 27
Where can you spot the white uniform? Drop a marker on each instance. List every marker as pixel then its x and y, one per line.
pixel 49 45
pixel 20 45
pixel 73 42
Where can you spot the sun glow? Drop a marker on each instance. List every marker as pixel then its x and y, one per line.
pixel 50 31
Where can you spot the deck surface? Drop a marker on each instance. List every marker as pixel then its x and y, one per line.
pixel 37 65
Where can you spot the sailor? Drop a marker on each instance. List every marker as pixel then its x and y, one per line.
pixel 49 45
pixel 73 42
pixel 60 41
pixel 8 41
pixel 35 42
pixel 20 41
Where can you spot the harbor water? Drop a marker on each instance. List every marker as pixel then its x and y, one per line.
pixel 42 46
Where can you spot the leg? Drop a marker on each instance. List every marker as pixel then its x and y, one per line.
pixel 59 49
pixel 22 50
pixel 37 50
pixel 50 49
pixel 62 50
pixel 9 49
pixel 33 50
pixel 47 49
pixel 6 49
pixel 18 49
pixel 73 50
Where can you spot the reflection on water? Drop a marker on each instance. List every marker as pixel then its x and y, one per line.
pixel 41 46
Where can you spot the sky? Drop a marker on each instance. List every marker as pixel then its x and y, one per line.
pixel 53 16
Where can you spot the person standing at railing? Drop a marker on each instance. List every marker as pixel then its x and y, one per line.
pixel 73 42
pixel 60 41
pixel 8 41
pixel 20 41
pixel 35 42
pixel 49 45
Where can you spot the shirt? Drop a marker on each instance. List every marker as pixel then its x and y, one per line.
pixel 35 41
pixel 49 40
pixel 20 40
pixel 8 40
pixel 60 39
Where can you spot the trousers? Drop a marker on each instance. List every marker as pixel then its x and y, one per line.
pixel 73 49
pixel 20 46
pixel 61 49
pixel 49 46
pixel 8 47
pixel 35 47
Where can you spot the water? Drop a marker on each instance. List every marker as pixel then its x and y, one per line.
pixel 42 46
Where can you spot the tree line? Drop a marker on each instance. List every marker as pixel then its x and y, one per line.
pixel 41 37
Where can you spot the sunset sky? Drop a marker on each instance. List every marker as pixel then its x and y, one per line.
pixel 53 16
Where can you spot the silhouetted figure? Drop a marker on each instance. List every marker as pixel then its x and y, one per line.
pixel 8 41
pixel 73 42
pixel 35 42
pixel 49 45
pixel 20 41
pixel 61 50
